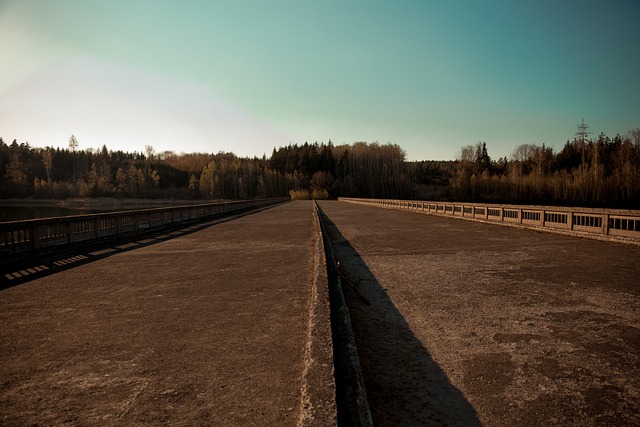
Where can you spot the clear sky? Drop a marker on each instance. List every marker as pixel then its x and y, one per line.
pixel 245 76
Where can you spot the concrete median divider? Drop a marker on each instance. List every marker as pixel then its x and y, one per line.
pixel 318 394
pixel 351 397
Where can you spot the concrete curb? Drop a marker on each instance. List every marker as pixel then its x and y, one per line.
pixel 351 397
pixel 318 394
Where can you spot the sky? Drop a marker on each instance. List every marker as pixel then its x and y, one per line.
pixel 250 75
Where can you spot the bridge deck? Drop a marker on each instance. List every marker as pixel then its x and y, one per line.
pixel 462 323
pixel 457 323
pixel 204 329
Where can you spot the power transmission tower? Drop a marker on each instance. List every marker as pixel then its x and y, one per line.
pixel 581 136
pixel 582 132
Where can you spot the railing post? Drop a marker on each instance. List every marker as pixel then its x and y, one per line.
pixel 35 238
pixel 605 224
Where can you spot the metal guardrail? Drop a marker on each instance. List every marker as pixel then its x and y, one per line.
pixel 36 234
pixel 597 222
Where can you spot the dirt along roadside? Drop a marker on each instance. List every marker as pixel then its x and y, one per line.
pixel 204 329
pixel 463 323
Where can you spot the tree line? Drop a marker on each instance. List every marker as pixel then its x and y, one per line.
pixel 357 170
pixel 601 171
pixel 306 170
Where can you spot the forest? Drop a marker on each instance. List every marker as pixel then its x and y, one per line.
pixel 599 172
pixel 305 171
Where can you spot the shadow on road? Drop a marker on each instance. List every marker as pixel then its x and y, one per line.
pixel 405 386
pixel 29 267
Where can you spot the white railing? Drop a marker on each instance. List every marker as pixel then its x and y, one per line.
pixel 602 222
